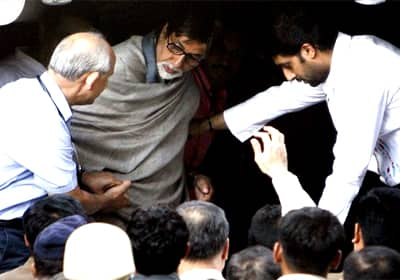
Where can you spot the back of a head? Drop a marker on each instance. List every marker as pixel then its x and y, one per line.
pixel 264 226
pixel 377 213
pixel 48 210
pixel 295 25
pixel 208 228
pixel 255 263
pixel 372 262
pixel 310 238
pixel 48 249
pixel 81 53
pixel 98 251
pixel 159 237
pixel 193 20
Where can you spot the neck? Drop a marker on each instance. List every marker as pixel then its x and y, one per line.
pixel 286 269
pixel 69 88
pixel 212 263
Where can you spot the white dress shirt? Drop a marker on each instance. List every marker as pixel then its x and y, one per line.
pixel 363 96
pixel 202 274
pixel 301 276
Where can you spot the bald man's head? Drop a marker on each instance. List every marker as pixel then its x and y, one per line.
pixel 81 53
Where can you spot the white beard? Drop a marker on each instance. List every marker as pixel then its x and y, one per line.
pixel 168 76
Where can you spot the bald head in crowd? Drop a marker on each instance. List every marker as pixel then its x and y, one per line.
pixel 81 65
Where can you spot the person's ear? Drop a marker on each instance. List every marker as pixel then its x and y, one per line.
pixel 91 79
pixel 308 51
pixel 225 252
pixel 33 269
pixel 187 250
pixel 277 252
pixel 26 241
pixel 358 241
pixel 336 260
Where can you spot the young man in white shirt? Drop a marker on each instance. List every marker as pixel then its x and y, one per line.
pixel 356 76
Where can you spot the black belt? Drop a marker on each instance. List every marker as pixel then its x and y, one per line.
pixel 14 223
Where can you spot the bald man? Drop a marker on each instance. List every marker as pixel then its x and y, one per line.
pixel 36 149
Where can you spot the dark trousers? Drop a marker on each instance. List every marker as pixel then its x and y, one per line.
pixel 13 251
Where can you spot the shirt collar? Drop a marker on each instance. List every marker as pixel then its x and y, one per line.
pixel 301 276
pixel 172 276
pixel 202 273
pixel 57 96
pixel 339 49
pixel 149 50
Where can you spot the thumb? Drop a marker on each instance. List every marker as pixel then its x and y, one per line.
pixel 255 145
pixel 124 185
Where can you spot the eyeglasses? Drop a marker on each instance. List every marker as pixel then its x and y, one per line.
pixel 191 59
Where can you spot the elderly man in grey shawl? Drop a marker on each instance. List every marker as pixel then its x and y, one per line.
pixel 138 128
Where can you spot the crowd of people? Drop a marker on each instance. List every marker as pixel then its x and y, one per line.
pixel 107 163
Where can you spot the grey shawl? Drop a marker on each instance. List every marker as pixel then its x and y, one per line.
pixel 138 130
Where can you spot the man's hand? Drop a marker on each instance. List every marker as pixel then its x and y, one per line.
pixel 116 195
pixel 270 151
pixel 202 188
pixel 98 181
pixel 113 197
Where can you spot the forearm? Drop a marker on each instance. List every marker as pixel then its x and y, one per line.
pixel 217 122
pixel 290 192
pixel 90 201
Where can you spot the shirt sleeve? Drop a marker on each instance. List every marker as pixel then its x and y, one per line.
pixel 290 192
pixel 249 116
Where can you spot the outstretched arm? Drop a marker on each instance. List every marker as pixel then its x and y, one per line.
pixel 215 122
pixel 271 157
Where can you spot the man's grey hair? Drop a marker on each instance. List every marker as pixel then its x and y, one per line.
pixel 71 60
pixel 208 228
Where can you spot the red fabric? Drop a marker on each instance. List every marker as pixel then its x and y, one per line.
pixel 211 103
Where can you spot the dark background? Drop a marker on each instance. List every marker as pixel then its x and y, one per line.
pixel 241 188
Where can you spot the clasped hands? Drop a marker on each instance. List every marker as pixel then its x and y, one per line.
pixel 104 183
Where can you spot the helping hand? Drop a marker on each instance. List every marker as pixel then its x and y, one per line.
pixel 272 158
pixel 116 195
pixel 98 181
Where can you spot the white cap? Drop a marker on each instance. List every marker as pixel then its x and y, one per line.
pixel 370 2
pixel 98 251
pixel 56 2
pixel 10 10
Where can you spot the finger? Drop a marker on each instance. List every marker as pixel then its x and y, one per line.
pixel 263 139
pixel 124 186
pixel 255 145
pixel 263 135
pixel 275 135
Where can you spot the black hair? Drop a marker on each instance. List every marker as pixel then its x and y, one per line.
pixel 310 238
pixel 372 262
pixel 48 210
pixel 296 25
pixel 159 237
pixel 377 213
